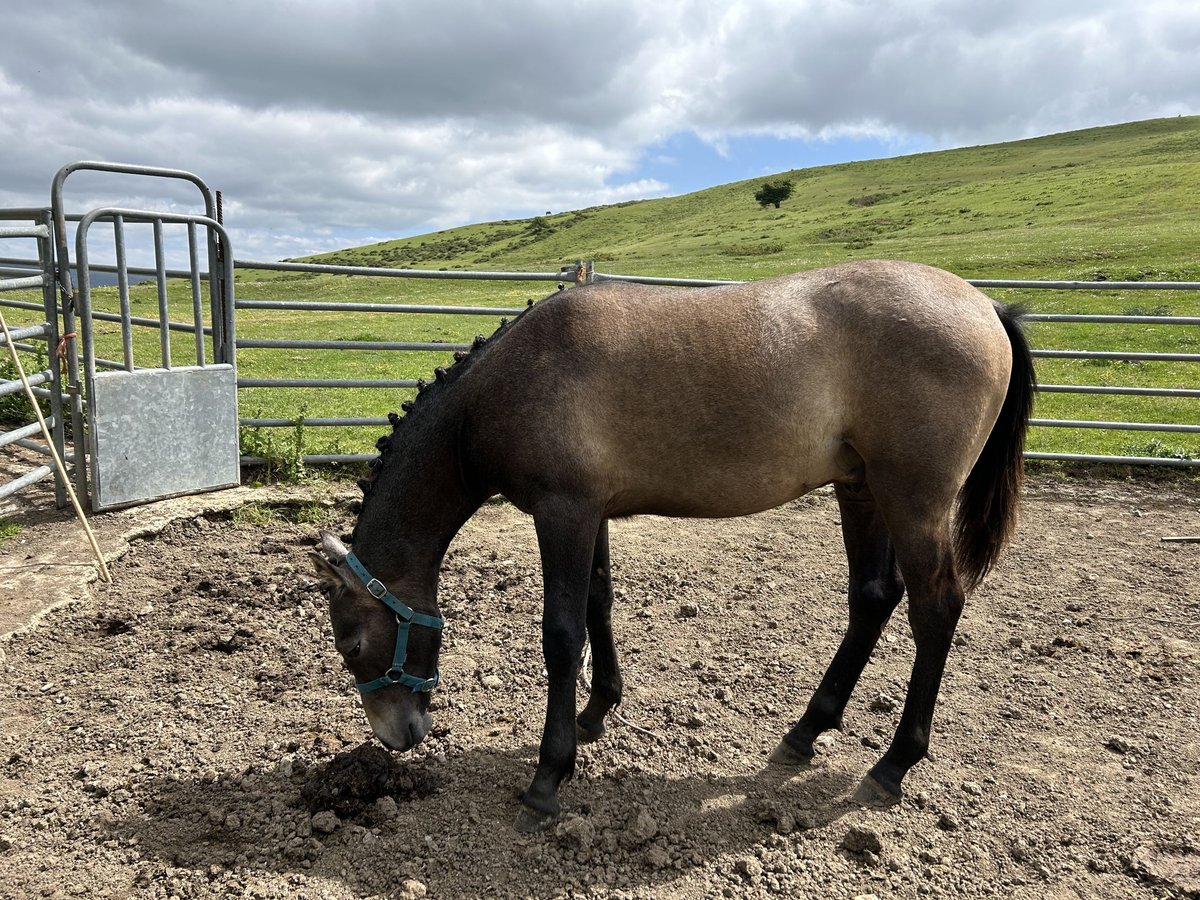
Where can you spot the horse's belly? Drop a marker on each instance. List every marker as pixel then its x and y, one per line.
pixel 721 484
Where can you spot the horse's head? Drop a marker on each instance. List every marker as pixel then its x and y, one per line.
pixel 391 648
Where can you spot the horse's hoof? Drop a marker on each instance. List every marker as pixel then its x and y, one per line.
pixel 530 821
pixel 873 795
pixel 787 755
pixel 586 734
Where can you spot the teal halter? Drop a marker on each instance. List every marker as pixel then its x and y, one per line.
pixel 404 618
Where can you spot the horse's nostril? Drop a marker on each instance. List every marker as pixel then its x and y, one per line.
pixel 416 733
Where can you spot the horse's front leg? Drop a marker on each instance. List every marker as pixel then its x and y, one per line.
pixel 566 533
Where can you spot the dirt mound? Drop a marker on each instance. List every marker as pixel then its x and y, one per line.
pixel 354 780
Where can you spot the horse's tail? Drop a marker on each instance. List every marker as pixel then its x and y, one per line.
pixel 987 503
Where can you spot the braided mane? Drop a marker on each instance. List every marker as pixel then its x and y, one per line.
pixel 442 378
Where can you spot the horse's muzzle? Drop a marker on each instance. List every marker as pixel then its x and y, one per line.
pixel 402 732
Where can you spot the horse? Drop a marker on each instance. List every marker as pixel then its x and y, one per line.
pixel 902 385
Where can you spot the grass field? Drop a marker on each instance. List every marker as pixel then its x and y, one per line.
pixel 1115 203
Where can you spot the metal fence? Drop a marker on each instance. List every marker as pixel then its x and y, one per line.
pixel 44 378
pixel 583 272
pixel 578 273
pixel 145 417
pixel 1175 393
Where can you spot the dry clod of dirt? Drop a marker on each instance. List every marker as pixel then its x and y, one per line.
pixel 862 839
pixel 1118 745
pixel 947 822
pixel 576 832
pixel 884 703
pixel 1175 868
pixel 411 889
pixel 750 869
pixel 641 827
pixel 657 857
pixel 326 821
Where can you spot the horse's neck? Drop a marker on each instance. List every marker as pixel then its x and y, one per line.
pixel 420 499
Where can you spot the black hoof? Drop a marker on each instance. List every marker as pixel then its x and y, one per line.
pixel 787 755
pixel 873 795
pixel 585 734
pixel 530 821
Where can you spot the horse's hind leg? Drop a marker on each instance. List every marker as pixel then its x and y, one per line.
pixel 875 589
pixel 935 601
pixel 606 674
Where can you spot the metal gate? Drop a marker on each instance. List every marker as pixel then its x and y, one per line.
pixel 151 427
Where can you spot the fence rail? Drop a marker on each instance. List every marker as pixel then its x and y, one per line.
pixel 373 272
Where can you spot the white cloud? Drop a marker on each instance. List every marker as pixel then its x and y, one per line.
pixel 321 120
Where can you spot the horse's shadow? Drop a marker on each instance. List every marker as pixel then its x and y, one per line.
pixel 623 829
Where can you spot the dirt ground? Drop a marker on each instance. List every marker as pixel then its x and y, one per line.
pixel 190 732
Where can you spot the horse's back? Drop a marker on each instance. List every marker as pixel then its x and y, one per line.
pixel 729 400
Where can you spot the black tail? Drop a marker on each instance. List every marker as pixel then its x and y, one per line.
pixel 987 503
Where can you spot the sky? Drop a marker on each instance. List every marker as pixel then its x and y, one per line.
pixel 333 124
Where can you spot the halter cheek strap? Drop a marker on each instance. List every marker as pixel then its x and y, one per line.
pixel 405 618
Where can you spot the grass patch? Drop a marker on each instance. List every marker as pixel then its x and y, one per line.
pixel 858 232
pixel 8 530
pixel 315 514
pixel 15 409
pixel 1162 449
pixel 254 514
pixel 281 449
pixel 306 513
pixel 870 199
pixel 766 248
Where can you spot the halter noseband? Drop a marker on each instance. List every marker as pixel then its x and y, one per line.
pixel 404 618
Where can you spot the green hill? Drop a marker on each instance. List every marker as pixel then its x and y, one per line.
pixel 1119 202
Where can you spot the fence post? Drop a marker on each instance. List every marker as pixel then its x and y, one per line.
pixel 585 272
pixel 54 362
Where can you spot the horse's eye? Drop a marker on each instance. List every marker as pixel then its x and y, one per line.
pixel 353 653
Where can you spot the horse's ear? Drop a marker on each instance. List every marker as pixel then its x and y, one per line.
pixel 334 549
pixel 331 576
pixel 328 565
